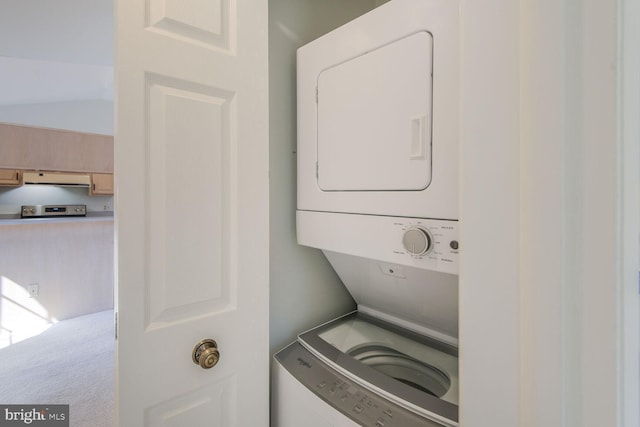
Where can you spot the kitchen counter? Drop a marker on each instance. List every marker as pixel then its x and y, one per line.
pixel 71 260
pixel 7 219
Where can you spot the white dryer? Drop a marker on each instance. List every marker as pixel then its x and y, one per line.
pixel 377 193
pixel 378 114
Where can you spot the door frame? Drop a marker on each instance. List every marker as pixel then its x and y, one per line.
pixel 549 213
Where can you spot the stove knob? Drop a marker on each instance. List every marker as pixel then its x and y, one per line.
pixel 417 241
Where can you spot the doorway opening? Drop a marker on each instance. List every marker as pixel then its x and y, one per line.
pixel 57 339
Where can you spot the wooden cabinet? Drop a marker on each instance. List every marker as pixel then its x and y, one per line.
pixel 101 184
pixel 10 177
pixel 32 148
pixel 55 150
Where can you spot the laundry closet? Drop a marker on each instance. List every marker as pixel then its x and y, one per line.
pixel 532 123
pixel 377 193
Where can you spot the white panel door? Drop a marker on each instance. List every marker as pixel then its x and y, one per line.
pixel 191 211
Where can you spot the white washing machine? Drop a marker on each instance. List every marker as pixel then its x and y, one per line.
pixel 361 371
pixel 394 361
pixel 377 193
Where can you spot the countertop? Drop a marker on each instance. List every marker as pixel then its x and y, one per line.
pixel 7 219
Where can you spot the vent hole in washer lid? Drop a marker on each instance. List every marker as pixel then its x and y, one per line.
pixel 403 368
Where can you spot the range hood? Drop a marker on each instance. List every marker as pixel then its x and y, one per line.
pixel 56 178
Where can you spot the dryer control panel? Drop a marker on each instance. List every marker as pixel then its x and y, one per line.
pixel 430 244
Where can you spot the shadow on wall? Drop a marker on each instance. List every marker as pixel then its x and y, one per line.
pixel 21 315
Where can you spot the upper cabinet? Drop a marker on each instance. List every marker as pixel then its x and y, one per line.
pixel 101 184
pixel 10 177
pixel 26 147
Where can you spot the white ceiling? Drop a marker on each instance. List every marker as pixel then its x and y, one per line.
pixel 56 50
pixel 74 31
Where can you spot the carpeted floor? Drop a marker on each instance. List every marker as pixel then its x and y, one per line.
pixel 72 363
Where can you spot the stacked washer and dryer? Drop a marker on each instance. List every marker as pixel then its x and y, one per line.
pixel 377 193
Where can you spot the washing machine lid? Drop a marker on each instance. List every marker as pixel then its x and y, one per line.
pixel 413 371
pixel 374 115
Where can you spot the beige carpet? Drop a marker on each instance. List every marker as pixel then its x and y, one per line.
pixel 72 363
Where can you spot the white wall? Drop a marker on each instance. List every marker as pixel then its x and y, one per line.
pixel 27 81
pixel 489 297
pixel 305 291
pixel 72 262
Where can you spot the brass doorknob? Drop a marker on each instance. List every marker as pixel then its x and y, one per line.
pixel 206 354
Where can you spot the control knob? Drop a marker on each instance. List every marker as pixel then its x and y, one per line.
pixel 417 241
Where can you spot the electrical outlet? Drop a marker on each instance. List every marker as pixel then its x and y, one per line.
pixel 33 290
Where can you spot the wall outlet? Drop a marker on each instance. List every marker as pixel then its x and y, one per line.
pixel 33 290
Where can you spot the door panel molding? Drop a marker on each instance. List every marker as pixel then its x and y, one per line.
pixel 211 28
pixel 175 293
pixel 211 405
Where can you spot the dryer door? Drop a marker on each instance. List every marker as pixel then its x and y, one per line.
pixel 374 119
